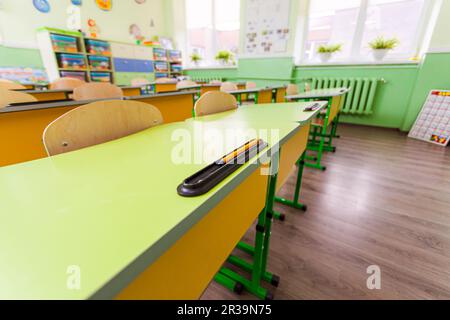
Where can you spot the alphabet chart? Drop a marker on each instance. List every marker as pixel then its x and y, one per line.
pixel 433 123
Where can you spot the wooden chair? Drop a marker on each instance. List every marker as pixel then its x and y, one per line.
pixel 9 96
pixel 10 85
pixel 97 123
pixel 185 84
pixel 292 90
pixel 216 82
pixel 215 102
pixel 139 82
pixel 66 84
pixel 228 86
pixel 93 91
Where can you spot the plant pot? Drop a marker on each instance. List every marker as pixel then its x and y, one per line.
pixel 379 54
pixel 325 56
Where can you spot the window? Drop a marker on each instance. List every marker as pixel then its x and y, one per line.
pixel 355 23
pixel 212 25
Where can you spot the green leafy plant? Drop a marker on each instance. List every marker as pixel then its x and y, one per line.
pixel 382 43
pixel 225 56
pixel 332 48
pixel 196 58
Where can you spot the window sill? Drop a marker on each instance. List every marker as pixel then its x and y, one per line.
pixel 210 67
pixel 357 63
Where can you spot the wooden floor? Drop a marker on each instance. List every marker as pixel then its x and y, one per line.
pixel 385 201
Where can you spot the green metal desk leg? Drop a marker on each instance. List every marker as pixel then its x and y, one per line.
pixel 231 279
pixel 320 148
pixel 295 203
pixel 239 99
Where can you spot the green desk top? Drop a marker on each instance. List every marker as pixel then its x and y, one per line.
pixel 321 93
pixel 39 105
pixel 111 209
pixel 263 113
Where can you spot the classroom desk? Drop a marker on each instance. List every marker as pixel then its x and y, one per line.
pixel 209 87
pixel 165 87
pixel 49 95
pixel 262 95
pixel 281 112
pixel 189 88
pixel 279 94
pixel 174 106
pixel 131 91
pixel 21 128
pixel 112 212
pixel 335 98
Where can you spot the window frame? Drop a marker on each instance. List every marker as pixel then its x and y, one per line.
pixel 210 61
pixel 355 56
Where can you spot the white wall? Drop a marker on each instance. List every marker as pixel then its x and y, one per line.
pixel 440 40
pixel 19 19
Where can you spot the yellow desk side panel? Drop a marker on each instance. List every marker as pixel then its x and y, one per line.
pixel 49 96
pixel 165 87
pixel 336 104
pixel 131 92
pixel 291 153
pixel 184 272
pixel 281 95
pixel 21 134
pixel 174 108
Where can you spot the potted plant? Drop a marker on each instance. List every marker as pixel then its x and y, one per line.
pixel 381 46
pixel 325 52
pixel 196 58
pixel 225 57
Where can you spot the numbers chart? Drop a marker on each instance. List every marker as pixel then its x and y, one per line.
pixel 433 123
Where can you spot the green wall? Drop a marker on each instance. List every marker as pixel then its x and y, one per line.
pixel 434 73
pixel 14 57
pixel 391 100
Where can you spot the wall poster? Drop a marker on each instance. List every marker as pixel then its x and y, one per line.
pixel 267 26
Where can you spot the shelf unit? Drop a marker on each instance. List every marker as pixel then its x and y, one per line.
pixel 168 63
pixel 68 54
pixel 108 61
pixel 99 58
pixel 175 61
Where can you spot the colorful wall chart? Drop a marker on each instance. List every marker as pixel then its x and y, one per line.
pixel 267 26
pixel 23 75
pixel 433 123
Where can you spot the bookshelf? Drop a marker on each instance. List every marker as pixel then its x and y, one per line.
pixel 69 54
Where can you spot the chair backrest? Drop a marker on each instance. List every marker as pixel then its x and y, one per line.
pixel 228 86
pixel 217 82
pixel 10 85
pixel 66 84
pixel 250 85
pixel 164 80
pixel 97 123
pixel 292 89
pixel 8 96
pixel 215 102
pixel 139 82
pixel 93 91
pixel 185 83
